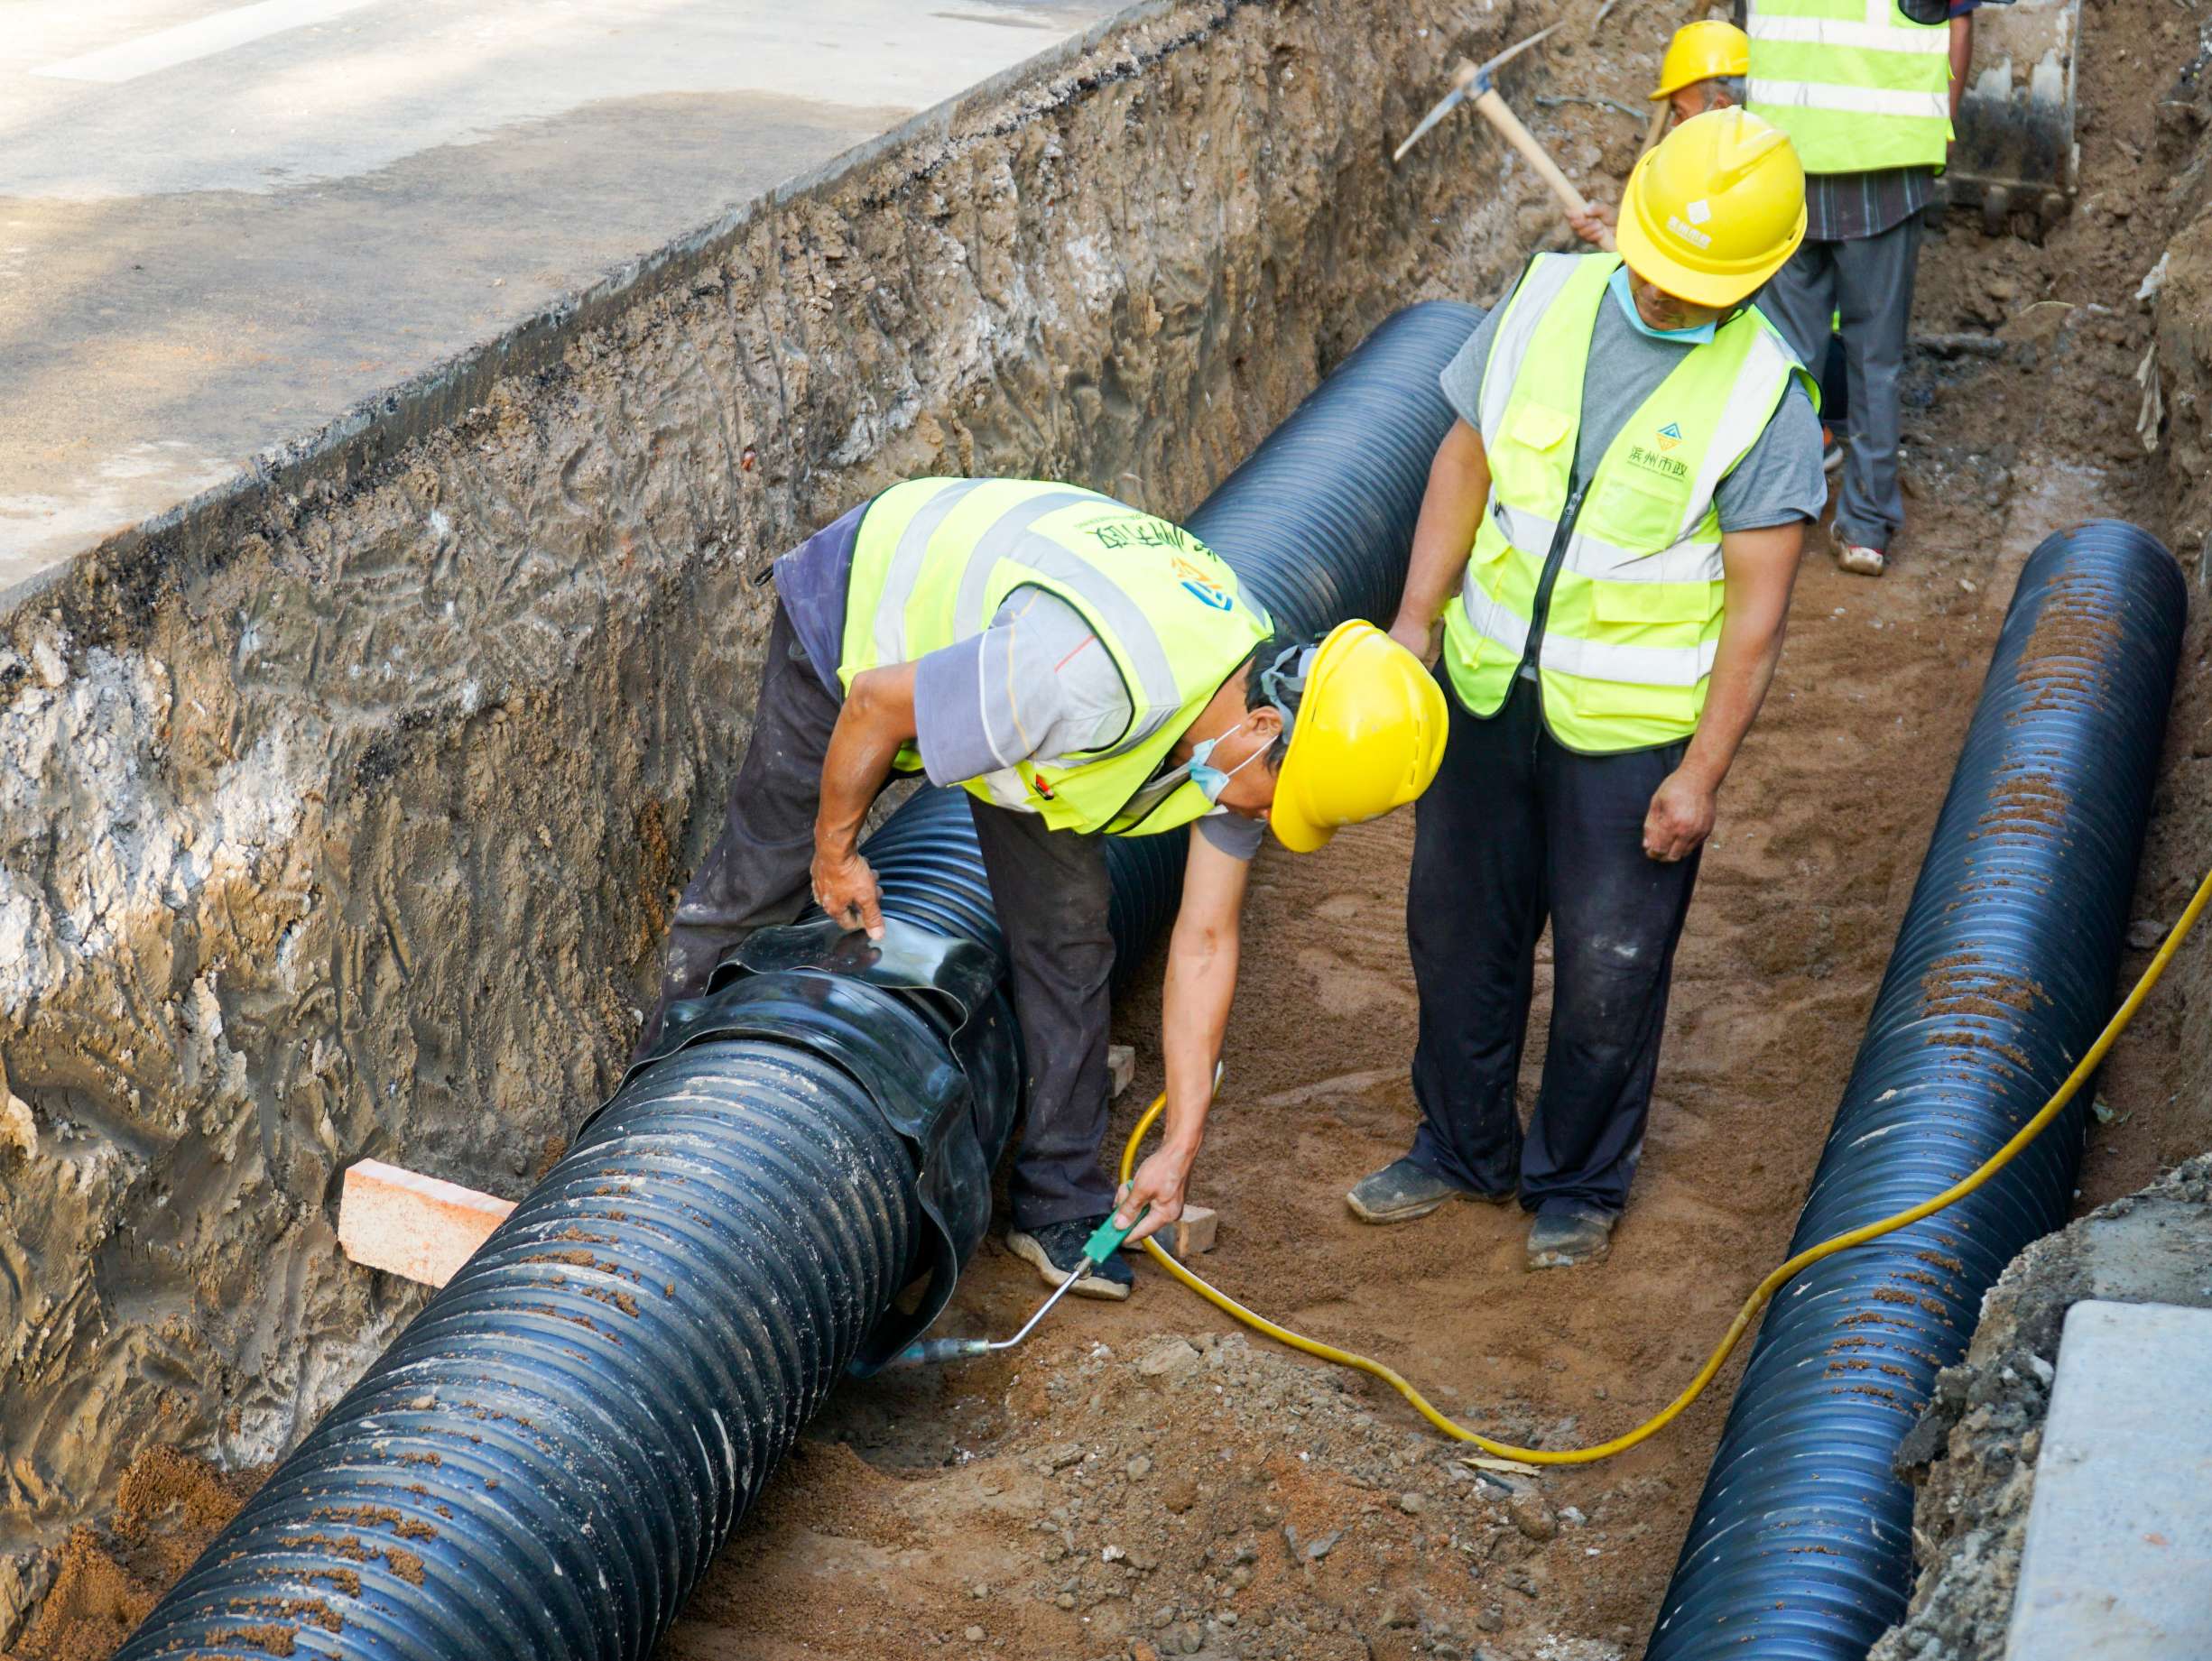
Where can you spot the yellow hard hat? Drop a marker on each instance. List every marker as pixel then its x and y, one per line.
pixel 1703 50
pixel 1715 209
pixel 1367 737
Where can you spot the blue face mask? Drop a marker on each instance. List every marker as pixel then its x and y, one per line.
pixel 1624 292
pixel 1210 780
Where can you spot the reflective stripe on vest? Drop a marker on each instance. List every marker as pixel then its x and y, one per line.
pixel 934 560
pixel 1637 603
pixel 1857 84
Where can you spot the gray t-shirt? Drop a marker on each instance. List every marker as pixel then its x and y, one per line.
pixel 1037 686
pixel 1778 481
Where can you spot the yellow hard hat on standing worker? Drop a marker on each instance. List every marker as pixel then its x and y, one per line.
pixel 1708 49
pixel 1367 734
pixel 1714 210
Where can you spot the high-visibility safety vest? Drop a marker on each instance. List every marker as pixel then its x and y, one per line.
pixel 1855 84
pixel 1631 592
pixel 935 558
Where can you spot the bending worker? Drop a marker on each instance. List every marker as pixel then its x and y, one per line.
pixel 1611 532
pixel 1703 71
pixel 1081 669
pixel 1867 93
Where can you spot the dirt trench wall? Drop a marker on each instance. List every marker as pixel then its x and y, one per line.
pixel 343 818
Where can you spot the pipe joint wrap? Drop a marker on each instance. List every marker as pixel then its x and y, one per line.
pixel 918 1022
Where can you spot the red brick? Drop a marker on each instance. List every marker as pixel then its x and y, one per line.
pixel 1189 1235
pixel 416 1226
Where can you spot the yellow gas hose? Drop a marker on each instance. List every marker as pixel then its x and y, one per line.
pixel 1760 1297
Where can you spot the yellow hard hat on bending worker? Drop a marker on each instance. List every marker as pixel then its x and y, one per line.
pixel 1368 736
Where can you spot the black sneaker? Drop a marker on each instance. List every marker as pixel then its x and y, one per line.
pixel 1403 1190
pixel 1569 1238
pixel 1056 1248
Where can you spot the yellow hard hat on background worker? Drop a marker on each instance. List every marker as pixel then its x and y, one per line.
pixel 1714 210
pixel 1710 49
pixel 1368 736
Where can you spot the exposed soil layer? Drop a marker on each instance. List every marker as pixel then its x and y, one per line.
pixel 168 1507
pixel 1141 1480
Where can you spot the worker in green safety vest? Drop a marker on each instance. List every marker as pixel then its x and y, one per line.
pixel 1610 535
pixel 1866 91
pixel 1081 669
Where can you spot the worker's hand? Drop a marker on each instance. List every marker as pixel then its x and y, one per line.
pixel 1159 1184
pixel 1417 637
pixel 1680 818
pixel 1595 226
pixel 845 887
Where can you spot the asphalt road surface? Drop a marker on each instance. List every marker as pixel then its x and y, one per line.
pixel 223 225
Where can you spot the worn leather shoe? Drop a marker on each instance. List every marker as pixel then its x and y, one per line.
pixel 1055 1249
pixel 1403 1190
pixel 1568 1238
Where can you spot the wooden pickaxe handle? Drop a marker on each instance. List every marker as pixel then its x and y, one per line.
pixel 1509 126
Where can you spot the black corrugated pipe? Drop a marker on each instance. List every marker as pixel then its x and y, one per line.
pixel 2003 974
pixel 543 1464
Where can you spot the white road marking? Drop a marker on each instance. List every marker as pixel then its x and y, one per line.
pixel 201 38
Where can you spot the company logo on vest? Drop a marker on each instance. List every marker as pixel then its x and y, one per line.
pixel 1201 584
pixel 1653 457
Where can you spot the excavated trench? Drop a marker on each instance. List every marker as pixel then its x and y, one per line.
pixel 341 817
pixel 342 820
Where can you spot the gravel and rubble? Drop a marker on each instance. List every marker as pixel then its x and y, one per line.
pixel 1973 1454
pixel 1240 1502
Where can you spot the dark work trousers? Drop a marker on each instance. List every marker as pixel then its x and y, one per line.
pixel 1517 828
pixel 1048 887
pixel 1836 389
pixel 759 871
pixel 1869 280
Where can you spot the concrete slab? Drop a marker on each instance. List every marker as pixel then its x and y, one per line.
pixel 2118 1558
pixel 222 227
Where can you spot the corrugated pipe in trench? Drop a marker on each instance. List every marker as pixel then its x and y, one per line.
pixel 1801 1549
pixel 544 1462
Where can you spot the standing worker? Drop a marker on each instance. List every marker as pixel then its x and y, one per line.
pixel 1611 532
pixel 1081 669
pixel 1704 70
pixel 1866 91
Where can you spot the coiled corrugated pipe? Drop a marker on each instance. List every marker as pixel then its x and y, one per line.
pixel 1801 1549
pixel 543 1464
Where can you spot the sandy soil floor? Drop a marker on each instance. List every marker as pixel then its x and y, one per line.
pixel 1142 1480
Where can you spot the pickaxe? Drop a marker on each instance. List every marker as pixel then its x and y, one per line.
pixel 1476 81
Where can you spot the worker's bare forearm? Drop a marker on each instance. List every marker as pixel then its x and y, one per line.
pixel 1732 698
pixel 1762 571
pixel 1201 984
pixel 1451 511
pixel 879 717
pixel 1194 1014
